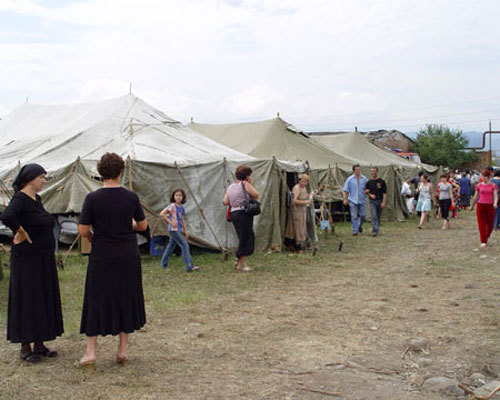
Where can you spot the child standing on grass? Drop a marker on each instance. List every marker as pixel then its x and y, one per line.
pixel 174 215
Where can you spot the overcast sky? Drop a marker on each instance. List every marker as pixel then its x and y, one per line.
pixel 323 64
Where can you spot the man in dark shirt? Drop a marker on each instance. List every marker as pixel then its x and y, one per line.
pixel 376 189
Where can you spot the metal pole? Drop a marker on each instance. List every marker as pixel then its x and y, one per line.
pixel 491 154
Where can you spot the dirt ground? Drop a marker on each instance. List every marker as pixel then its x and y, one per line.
pixel 340 324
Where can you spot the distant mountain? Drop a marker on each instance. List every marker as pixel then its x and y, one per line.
pixel 476 140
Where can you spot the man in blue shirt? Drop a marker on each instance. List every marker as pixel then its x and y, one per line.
pixel 465 190
pixel 355 198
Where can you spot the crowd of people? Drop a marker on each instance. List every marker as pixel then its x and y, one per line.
pixel 456 191
pixel 113 300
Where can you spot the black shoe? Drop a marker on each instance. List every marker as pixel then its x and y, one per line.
pixel 360 230
pixel 31 357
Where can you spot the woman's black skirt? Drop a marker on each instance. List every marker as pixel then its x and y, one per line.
pixel 113 300
pixel 34 309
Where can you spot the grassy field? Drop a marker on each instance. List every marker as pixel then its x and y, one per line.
pixel 297 325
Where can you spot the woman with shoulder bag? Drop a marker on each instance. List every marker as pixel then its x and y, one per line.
pixel 237 196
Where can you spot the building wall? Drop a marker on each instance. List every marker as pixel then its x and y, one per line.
pixel 482 162
pixel 390 140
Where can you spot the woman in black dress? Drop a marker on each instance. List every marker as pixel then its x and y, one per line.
pixel 34 310
pixel 113 302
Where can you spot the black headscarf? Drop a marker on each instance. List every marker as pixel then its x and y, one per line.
pixel 27 174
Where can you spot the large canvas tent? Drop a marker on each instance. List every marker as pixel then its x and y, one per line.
pixel 160 154
pixel 329 165
pixel 355 146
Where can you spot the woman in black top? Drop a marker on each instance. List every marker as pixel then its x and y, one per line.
pixel 113 302
pixel 34 310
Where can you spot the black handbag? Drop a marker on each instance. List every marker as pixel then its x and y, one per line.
pixel 250 205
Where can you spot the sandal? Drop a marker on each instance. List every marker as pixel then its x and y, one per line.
pixel 46 352
pixel 30 357
pixel 122 360
pixel 89 364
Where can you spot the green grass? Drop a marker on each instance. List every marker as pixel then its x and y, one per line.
pixel 173 288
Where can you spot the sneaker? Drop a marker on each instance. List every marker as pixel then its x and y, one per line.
pixel 375 234
pixel 355 234
pixel 195 268
pixel 360 230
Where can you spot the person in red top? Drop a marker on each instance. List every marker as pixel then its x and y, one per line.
pixel 486 197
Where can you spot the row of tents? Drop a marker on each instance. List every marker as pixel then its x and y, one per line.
pixel 161 153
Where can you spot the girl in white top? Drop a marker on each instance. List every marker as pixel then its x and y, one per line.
pixel 425 198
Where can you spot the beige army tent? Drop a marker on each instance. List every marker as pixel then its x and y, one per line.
pixel 355 146
pixel 160 154
pixel 329 164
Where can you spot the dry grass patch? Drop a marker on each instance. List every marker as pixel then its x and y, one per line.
pixel 336 321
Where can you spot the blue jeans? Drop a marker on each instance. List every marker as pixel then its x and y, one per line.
pixel 376 212
pixel 177 238
pixel 358 214
pixel 496 224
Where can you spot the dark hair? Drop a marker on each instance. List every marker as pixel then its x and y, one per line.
pixel 486 173
pixel 491 169
pixel 443 176
pixel 375 168
pixel 497 172
pixel 355 166
pixel 425 176
pixel 172 196
pixel 110 166
pixel 242 172
pixel 420 173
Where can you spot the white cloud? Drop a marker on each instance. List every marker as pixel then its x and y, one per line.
pixel 324 64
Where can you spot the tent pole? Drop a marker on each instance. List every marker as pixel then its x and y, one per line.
pixel 226 185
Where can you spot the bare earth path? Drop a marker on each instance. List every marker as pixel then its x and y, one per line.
pixel 339 322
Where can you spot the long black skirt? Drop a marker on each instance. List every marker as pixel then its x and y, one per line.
pixel 113 300
pixel 34 309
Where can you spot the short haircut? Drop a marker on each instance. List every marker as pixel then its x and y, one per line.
pixel 425 176
pixel 110 166
pixel 355 166
pixel 172 196
pixel 491 169
pixel 486 173
pixel 242 172
pixel 420 173
pixel 375 168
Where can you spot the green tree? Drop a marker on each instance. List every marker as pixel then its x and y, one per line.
pixel 440 145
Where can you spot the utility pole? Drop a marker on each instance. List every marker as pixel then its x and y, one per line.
pixel 491 151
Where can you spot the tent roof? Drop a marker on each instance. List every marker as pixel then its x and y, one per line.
pixel 272 138
pixel 358 147
pixel 55 135
pixel 355 146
